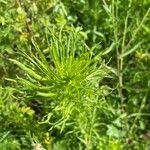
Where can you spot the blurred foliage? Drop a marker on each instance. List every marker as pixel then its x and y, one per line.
pixel 74 74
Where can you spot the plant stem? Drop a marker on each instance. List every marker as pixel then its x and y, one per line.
pixel 119 61
pixel 122 59
pixel 138 28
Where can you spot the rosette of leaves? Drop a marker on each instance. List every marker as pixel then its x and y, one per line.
pixel 66 81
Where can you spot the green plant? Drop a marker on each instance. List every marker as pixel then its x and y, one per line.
pixel 64 95
pixel 68 86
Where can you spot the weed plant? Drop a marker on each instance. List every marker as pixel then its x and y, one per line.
pixel 67 87
pixel 74 74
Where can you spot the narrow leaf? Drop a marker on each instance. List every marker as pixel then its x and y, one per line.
pixel 27 70
pixel 45 94
pixel 109 49
pixel 131 50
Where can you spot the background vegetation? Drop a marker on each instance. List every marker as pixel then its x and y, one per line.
pixel 74 75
